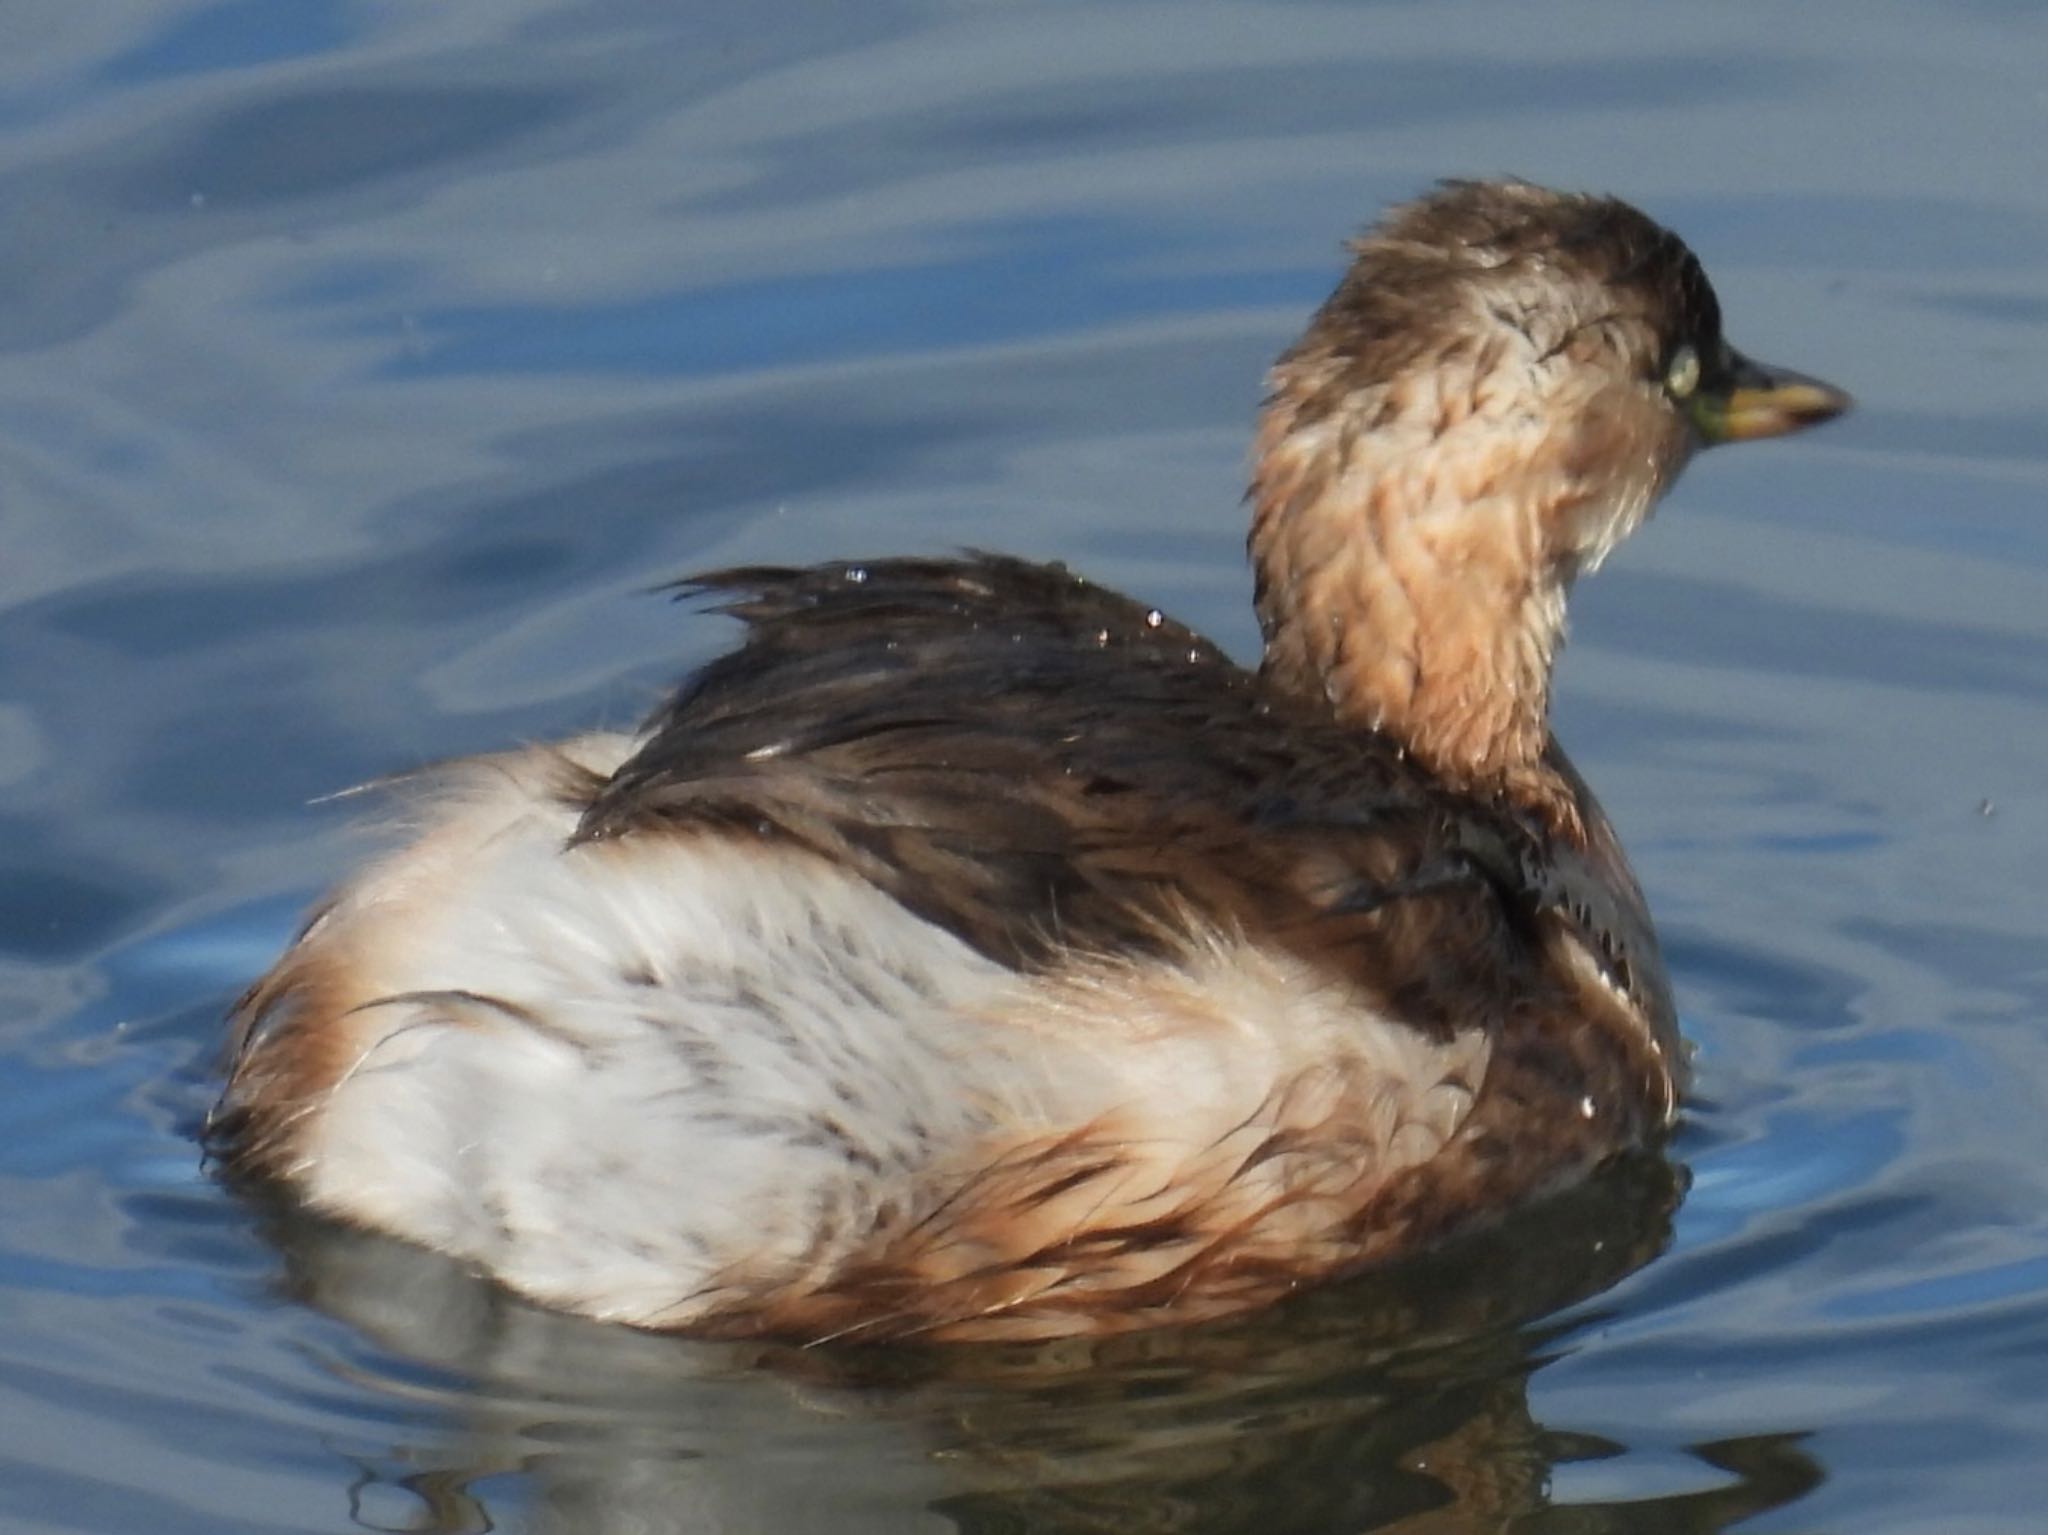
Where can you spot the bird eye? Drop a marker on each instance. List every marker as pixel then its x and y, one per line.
pixel 1682 377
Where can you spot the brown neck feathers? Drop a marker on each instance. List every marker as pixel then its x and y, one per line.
pixel 1407 583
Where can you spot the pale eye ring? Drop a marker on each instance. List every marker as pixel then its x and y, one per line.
pixel 1682 377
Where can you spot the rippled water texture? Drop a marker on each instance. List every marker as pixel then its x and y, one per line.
pixel 361 365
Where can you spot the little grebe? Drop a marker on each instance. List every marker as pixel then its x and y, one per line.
pixel 977 953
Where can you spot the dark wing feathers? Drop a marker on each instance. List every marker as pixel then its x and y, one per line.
pixel 1039 765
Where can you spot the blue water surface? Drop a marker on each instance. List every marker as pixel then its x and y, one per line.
pixel 362 365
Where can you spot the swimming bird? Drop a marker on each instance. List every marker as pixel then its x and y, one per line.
pixel 974 952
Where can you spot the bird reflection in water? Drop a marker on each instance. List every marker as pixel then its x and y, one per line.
pixel 1397 1401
